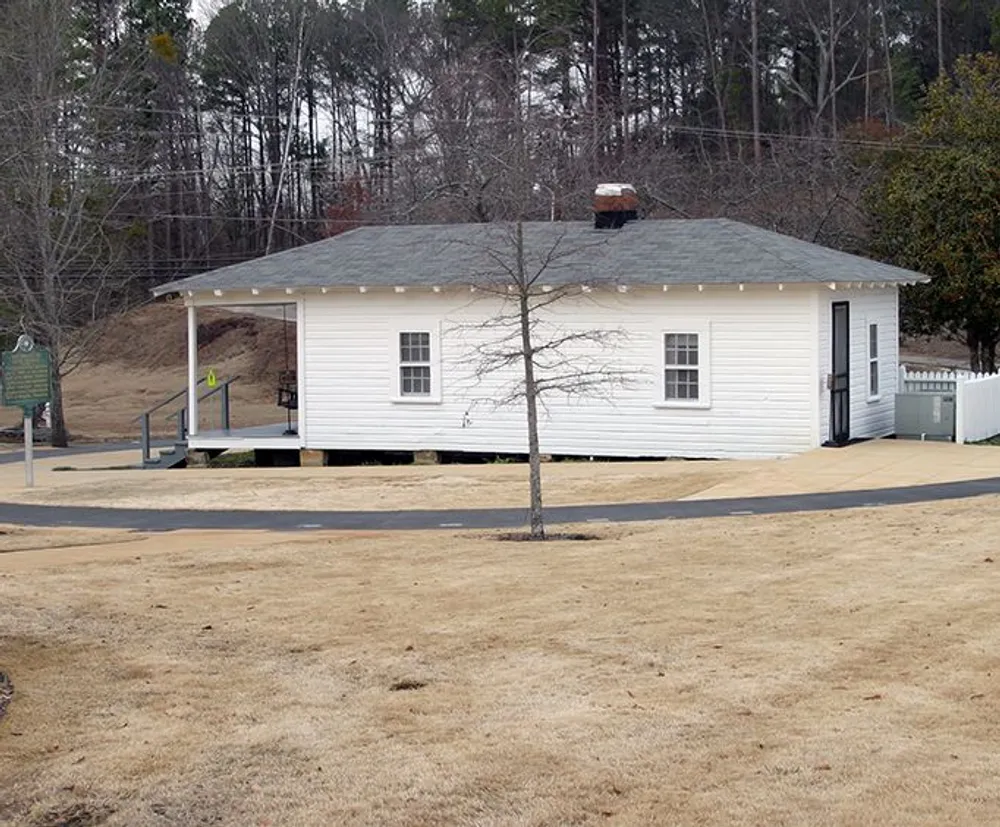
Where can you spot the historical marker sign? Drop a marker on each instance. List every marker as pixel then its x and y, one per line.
pixel 27 376
pixel 27 383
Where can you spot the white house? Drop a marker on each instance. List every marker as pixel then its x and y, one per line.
pixel 736 341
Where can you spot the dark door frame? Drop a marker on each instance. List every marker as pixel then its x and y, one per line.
pixel 840 375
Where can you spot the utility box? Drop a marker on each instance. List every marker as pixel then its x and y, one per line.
pixel 925 416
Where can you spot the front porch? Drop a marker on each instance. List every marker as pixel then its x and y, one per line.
pixel 288 391
pixel 201 414
pixel 256 438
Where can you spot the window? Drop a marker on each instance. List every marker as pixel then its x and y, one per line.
pixel 414 364
pixel 680 367
pixel 873 389
pixel 685 379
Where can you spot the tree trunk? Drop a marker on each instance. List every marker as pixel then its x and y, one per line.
pixel 755 80
pixel 531 405
pixel 833 72
pixel 868 62
pixel 890 113
pixel 595 111
pixel 530 394
pixel 60 435
pixel 975 346
pixel 940 40
pixel 983 356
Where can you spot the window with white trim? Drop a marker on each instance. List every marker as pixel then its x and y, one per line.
pixel 685 380
pixel 414 364
pixel 681 376
pixel 873 383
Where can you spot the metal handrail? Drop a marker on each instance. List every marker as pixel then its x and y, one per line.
pixel 165 402
pixel 222 387
pixel 181 414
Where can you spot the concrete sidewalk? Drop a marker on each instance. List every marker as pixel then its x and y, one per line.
pixel 883 463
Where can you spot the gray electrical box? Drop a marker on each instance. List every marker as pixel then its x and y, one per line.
pixel 928 415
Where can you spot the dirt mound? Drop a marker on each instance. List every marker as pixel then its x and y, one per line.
pixel 155 336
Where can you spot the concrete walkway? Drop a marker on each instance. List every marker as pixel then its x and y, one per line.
pixel 883 463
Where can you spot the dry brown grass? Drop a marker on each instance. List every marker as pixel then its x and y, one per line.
pixel 808 669
pixel 21 538
pixel 368 488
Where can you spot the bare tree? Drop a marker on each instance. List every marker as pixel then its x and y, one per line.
pixel 61 182
pixel 533 275
pixel 527 269
pixel 828 27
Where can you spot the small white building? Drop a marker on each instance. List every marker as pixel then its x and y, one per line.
pixel 734 341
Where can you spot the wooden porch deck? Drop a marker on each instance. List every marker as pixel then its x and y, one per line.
pixel 257 437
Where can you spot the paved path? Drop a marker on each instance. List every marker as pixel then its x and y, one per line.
pixel 47 452
pixel 481 518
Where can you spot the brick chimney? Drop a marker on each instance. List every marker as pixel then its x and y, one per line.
pixel 614 205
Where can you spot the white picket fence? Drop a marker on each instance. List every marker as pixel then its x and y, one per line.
pixel 977 398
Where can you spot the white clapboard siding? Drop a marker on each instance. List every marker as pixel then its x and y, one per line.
pixel 869 417
pixel 763 360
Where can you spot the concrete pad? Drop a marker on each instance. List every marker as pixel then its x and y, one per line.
pixel 884 463
pixel 12 474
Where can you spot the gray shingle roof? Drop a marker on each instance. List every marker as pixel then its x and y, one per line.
pixel 701 251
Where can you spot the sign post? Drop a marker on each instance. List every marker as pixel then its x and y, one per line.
pixel 27 383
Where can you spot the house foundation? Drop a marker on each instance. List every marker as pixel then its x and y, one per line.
pixel 198 459
pixel 312 458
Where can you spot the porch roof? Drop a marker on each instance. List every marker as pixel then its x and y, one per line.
pixel 651 252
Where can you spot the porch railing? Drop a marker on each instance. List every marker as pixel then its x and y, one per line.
pixel 181 413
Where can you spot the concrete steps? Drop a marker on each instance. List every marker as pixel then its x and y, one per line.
pixel 173 457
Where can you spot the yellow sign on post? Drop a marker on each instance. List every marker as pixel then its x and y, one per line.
pixel 211 379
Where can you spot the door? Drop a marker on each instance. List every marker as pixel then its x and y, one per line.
pixel 840 375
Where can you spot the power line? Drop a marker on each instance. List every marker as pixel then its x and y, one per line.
pixel 325 165
pixel 473 122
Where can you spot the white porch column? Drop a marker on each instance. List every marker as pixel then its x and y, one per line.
pixel 192 394
pixel 300 369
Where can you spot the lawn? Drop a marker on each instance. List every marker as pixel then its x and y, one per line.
pixel 804 669
pixel 371 488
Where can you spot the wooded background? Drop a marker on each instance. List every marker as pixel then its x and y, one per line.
pixel 139 144
pixel 195 138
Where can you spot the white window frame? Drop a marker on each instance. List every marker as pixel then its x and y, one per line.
pixel 396 394
pixel 704 367
pixel 873 360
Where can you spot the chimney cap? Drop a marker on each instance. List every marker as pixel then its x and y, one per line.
pixel 614 190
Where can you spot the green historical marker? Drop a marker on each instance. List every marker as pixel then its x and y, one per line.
pixel 27 383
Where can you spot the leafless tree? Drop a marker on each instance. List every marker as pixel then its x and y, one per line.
pixel 62 179
pixel 828 26
pixel 527 271
pixel 532 278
